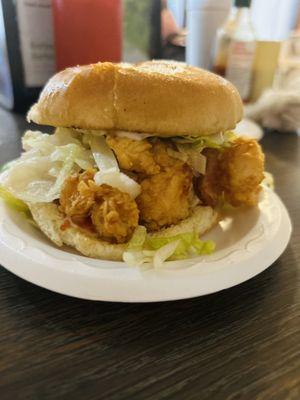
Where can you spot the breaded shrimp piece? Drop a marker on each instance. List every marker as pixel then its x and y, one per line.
pixel 134 155
pixel 77 196
pixel 111 213
pixel 114 215
pixel 243 171
pixel 164 199
pixel 208 187
pixel 142 156
pixel 233 175
pixel 162 157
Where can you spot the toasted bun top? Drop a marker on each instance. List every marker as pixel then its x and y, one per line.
pixel 162 97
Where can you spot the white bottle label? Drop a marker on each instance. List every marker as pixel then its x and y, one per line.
pixel 36 40
pixel 240 64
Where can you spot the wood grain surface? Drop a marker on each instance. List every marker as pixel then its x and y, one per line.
pixel 242 343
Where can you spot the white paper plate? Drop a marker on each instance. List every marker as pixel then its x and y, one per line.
pixel 248 242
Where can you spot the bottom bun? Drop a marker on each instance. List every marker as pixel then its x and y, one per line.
pixel 50 219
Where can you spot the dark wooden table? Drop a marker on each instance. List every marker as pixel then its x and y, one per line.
pixel 242 343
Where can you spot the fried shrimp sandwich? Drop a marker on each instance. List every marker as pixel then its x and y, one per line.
pixel 141 160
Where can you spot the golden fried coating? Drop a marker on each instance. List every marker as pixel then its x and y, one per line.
pixel 162 157
pixel 111 213
pixel 208 187
pixel 166 182
pixel 134 155
pixel 233 175
pixel 164 199
pixel 142 156
pixel 243 166
pixel 115 214
pixel 77 196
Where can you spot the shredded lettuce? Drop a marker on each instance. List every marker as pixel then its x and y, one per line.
pixel 65 171
pixel 135 256
pixel 182 156
pixel 217 141
pixel 189 148
pixel 109 171
pixel 188 243
pixel 17 205
pixel 7 165
pixel 29 179
pixel 103 154
pixel 144 248
pixel 164 253
pixel 12 201
pixel 80 156
pixel 138 239
pixel 38 175
pixel 118 180
pixel 45 143
pixel 193 157
pixel 69 155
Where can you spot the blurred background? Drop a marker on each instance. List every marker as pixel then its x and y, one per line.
pixel 255 44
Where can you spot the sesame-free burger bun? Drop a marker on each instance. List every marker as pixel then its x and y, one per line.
pixel 159 97
pixel 50 221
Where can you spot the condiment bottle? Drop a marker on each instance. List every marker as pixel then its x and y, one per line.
pixel 26 51
pixel 236 46
pixel 87 31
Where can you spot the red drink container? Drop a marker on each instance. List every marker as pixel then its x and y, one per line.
pixel 87 31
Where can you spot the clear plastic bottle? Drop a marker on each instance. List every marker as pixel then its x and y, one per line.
pixel 235 51
pixel 223 39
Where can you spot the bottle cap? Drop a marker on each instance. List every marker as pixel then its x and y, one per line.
pixel 242 3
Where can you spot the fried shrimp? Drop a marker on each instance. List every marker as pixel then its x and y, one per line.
pixel 233 175
pixel 115 214
pixel 208 187
pixel 77 196
pixel 243 166
pixel 134 155
pixel 166 182
pixel 162 157
pixel 164 199
pixel 142 156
